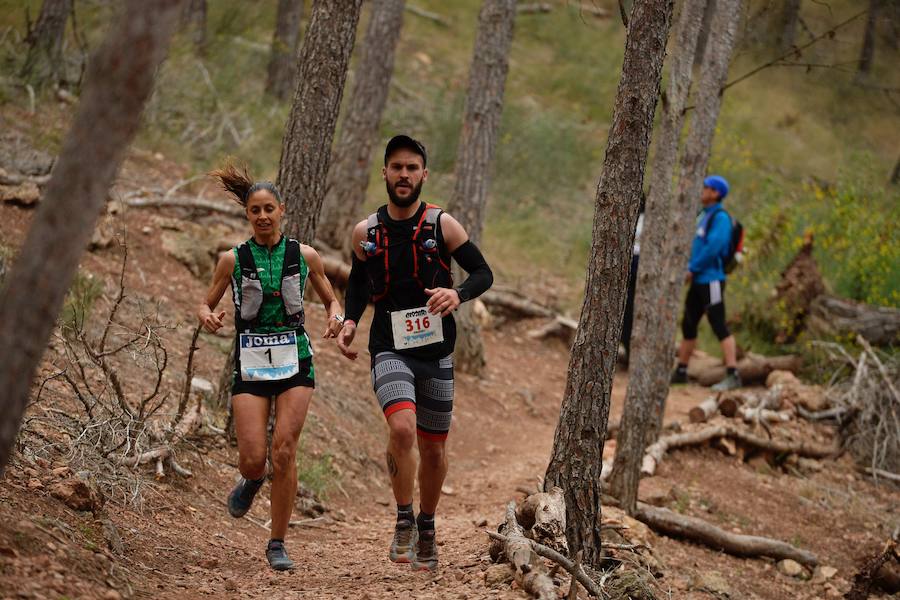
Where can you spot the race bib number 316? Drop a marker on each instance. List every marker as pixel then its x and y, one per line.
pixel 416 327
pixel 268 357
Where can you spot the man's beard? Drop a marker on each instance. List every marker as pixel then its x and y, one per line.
pixel 404 202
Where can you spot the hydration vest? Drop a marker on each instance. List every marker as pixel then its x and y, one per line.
pixel 251 296
pixel 429 268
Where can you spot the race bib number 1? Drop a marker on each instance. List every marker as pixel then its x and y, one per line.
pixel 268 357
pixel 416 327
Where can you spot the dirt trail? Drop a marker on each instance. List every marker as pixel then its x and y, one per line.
pixel 183 543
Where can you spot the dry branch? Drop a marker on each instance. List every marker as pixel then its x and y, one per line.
pixel 425 14
pixel 671 523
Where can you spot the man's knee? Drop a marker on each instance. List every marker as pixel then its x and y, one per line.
pixel 402 425
pixel 433 454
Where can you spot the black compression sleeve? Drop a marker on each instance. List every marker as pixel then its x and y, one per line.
pixel 357 296
pixel 480 278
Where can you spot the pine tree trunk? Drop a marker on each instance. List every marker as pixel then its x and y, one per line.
pixel 194 19
pixel 667 237
pixel 481 123
pixel 790 15
pixel 348 175
pixel 44 59
pixel 577 454
pixel 119 80
pixel 306 147
pixel 867 55
pixel 283 60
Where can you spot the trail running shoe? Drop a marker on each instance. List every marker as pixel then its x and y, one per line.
pixel 241 497
pixel 404 542
pixel 277 556
pixel 731 382
pixel 426 552
pixel 679 376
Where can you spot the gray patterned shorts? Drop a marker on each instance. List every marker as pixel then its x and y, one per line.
pixel 424 386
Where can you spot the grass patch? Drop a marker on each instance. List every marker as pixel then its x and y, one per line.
pixel 79 302
pixel 315 473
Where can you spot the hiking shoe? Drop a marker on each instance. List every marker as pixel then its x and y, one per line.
pixel 277 556
pixel 241 497
pixel 426 552
pixel 731 382
pixel 679 376
pixel 403 544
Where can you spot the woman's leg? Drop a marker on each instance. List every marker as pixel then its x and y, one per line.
pixel 290 414
pixel 251 416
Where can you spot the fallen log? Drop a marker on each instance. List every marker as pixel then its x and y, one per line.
pixel 531 574
pixel 753 368
pixel 189 203
pixel 425 14
pixel 515 303
pixel 560 327
pixel 703 411
pixel 877 573
pixel 671 523
pixel 658 449
pixel 835 317
pixel 544 514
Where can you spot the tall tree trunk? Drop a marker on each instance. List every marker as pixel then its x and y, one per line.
pixel 44 59
pixel 283 60
pixel 306 147
pixel 194 20
pixel 790 16
pixel 895 175
pixel 704 32
pixel 867 54
pixel 119 81
pixel 484 107
pixel 348 176
pixel 578 444
pixel 666 238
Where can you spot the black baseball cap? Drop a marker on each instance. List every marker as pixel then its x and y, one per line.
pixel 404 141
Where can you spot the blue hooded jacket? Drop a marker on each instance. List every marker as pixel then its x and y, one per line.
pixel 710 244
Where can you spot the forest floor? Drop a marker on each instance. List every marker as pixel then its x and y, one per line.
pixel 180 541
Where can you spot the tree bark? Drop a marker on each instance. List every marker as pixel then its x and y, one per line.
pixel 481 124
pixel 119 80
pixel 283 60
pixel 306 149
pixel 703 35
pixel 44 60
pixel 867 54
pixel 790 16
pixel 576 459
pixel 348 175
pixel 653 339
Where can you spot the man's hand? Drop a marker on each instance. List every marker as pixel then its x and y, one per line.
pixel 689 277
pixel 443 301
pixel 211 321
pixel 345 338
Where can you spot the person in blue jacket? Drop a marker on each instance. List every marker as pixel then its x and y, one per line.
pixel 706 277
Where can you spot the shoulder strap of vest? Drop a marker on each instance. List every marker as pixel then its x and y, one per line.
pixel 291 264
pixel 246 264
pixel 432 213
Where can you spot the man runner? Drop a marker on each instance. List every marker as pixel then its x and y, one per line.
pixel 401 262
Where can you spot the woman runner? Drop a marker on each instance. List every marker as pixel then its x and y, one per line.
pixel 273 355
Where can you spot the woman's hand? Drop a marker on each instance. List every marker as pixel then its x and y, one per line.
pixel 334 326
pixel 211 322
